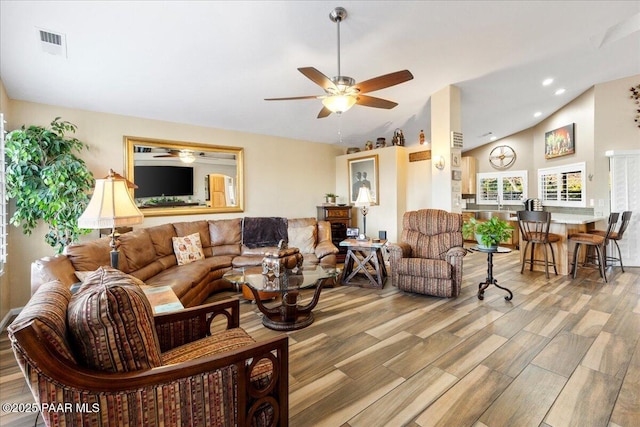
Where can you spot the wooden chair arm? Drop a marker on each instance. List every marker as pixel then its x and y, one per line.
pixel 183 326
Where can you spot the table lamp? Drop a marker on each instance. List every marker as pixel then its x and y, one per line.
pixel 111 206
pixel 363 202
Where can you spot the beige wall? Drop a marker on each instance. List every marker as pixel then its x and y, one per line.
pixel 603 117
pixel 278 179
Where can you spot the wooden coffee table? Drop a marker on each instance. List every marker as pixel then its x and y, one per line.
pixel 288 315
pixel 162 299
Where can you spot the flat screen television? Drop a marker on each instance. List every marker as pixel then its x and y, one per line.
pixel 155 181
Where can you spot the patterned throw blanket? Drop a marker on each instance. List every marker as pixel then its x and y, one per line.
pixel 264 231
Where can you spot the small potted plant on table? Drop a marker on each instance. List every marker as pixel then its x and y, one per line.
pixel 330 198
pixel 489 233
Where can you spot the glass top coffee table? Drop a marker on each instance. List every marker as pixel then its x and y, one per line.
pixel 288 315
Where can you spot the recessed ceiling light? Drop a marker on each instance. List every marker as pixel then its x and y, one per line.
pixel 547 82
pixel 537 114
pixel 560 91
pixel 493 138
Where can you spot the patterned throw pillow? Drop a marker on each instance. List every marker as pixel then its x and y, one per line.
pixel 303 238
pixel 111 323
pixel 188 248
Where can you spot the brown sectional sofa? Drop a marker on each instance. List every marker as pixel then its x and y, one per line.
pixel 148 255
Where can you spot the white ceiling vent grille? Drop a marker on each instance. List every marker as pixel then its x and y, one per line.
pixel 53 43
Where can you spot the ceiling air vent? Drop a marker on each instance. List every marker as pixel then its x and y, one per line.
pixel 53 43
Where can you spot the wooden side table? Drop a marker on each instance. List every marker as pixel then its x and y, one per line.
pixel 490 280
pixel 364 257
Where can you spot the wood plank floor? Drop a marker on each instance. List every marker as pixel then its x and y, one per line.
pixel 563 352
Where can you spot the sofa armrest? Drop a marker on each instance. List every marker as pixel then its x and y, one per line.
pixel 199 388
pixel 183 326
pixel 47 269
pixel 326 248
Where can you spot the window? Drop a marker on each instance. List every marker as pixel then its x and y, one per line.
pixel 502 188
pixel 3 202
pixel 563 185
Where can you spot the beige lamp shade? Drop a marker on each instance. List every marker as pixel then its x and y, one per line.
pixel 364 197
pixel 339 103
pixel 110 206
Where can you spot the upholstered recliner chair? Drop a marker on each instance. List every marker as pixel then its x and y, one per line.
pixel 100 358
pixel 428 258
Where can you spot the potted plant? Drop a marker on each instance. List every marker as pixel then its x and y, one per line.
pixel 47 181
pixel 330 197
pixel 489 233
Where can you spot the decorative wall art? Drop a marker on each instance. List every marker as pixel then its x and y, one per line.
pixel 559 142
pixel 456 175
pixel 635 95
pixel 455 158
pixel 363 171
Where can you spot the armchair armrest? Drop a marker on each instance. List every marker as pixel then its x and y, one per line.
pixel 195 386
pixel 399 250
pixel 325 248
pixel 456 251
pixel 180 327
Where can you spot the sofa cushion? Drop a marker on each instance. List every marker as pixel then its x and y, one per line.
pixel 47 309
pixel 188 248
pixel 200 227
pixel 421 267
pixel 303 238
pixel 138 249
pixel 161 237
pixel 226 236
pixel 111 323
pixel 88 256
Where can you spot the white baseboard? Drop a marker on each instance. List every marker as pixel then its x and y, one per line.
pixel 13 312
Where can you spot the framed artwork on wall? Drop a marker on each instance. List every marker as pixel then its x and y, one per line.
pixel 363 171
pixel 455 158
pixel 560 142
pixel 456 175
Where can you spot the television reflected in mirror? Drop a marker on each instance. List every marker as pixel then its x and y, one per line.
pixel 178 178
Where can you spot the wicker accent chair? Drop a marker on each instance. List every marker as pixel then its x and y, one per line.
pixel 428 258
pixel 180 374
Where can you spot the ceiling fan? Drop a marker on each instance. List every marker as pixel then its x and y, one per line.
pixel 342 92
pixel 186 156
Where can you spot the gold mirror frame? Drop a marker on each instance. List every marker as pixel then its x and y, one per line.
pixel 199 150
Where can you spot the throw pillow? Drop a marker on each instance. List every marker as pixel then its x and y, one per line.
pixel 188 248
pixel 111 323
pixel 303 238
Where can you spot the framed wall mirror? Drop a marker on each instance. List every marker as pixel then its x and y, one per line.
pixel 184 178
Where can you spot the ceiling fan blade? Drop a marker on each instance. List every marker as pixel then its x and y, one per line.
pixel 318 78
pixel 382 82
pixel 371 101
pixel 324 113
pixel 293 98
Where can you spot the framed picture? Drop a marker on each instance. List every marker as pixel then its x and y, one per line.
pixel 456 175
pixel 363 172
pixel 353 232
pixel 559 142
pixel 455 159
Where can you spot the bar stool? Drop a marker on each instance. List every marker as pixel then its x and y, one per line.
pixel 595 241
pixel 615 236
pixel 534 228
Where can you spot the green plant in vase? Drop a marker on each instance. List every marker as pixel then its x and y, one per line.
pixel 47 181
pixel 489 233
pixel 330 197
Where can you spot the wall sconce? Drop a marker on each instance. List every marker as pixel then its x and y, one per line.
pixel 440 162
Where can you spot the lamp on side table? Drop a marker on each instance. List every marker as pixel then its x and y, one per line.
pixel 363 202
pixel 111 206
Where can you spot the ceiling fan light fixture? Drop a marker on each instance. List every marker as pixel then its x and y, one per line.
pixel 187 157
pixel 339 103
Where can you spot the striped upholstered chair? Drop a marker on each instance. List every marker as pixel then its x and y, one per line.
pixel 100 358
pixel 428 258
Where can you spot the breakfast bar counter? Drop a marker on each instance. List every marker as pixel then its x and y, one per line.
pixel 564 225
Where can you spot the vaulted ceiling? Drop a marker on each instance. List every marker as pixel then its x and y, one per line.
pixel 212 63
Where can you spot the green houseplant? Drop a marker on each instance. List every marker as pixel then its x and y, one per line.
pixel 47 181
pixel 489 233
pixel 330 197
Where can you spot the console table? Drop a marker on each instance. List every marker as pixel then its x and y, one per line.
pixel 490 280
pixel 364 256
